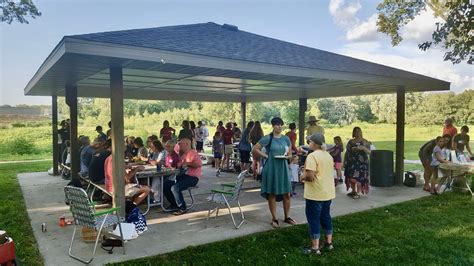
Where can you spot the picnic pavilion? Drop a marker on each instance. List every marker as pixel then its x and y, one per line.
pixel 207 62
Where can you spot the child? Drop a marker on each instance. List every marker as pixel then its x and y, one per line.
pixel 294 177
pixel 217 149
pixel 438 157
pixel 336 152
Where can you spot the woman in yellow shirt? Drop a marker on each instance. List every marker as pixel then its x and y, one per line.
pixel 319 190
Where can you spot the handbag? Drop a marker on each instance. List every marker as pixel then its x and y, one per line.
pixel 137 218
pixel 410 179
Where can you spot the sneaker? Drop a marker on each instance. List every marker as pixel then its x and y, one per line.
pixel 327 246
pixel 310 250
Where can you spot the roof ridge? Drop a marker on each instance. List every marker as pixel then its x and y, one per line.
pixel 142 29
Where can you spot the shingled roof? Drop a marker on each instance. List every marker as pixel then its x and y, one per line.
pixel 300 68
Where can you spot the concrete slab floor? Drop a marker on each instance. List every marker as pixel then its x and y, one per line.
pixel 44 198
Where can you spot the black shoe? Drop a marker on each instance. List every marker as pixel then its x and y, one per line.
pixel 180 212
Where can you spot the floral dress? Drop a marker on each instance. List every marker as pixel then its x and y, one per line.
pixel 356 165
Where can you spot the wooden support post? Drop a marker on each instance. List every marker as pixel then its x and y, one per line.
pixel 400 138
pixel 118 146
pixel 71 101
pixel 301 123
pixel 243 115
pixel 54 113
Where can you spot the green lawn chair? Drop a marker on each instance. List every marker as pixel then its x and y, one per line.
pixel 84 214
pixel 227 195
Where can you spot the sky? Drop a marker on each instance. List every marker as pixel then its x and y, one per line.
pixel 341 26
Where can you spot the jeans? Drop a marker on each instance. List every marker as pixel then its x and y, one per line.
pixel 173 190
pixel 318 213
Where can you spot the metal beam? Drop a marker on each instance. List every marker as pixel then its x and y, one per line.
pixel 54 113
pixel 71 101
pixel 118 150
pixel 301 119
pixel 400 138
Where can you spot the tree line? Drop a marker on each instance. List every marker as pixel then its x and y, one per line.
pixel 421 109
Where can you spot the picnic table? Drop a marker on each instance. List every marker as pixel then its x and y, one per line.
pixel 151 172
pixel 458 170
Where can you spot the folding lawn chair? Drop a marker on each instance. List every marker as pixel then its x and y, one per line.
pixel 227 195
pixel 84 214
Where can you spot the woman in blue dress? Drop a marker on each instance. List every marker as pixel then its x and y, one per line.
pixel 276 186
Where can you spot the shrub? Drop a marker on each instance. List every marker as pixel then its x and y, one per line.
pixel 21 146
pixel 18 125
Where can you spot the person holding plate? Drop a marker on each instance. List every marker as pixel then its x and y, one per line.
pixel 275 175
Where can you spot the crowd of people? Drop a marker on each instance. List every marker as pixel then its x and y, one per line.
pixel 438 151
pixel 274 159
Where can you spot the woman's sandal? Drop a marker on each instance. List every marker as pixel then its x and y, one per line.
pixel 351 194
pixel 275 224
pixel 356 196
pixel 311 250
pixel 426 189
pixel 289 220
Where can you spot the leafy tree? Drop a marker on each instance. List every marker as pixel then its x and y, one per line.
pixel 339 111
pixel 363 112
pixel 18 10
pixel 455 33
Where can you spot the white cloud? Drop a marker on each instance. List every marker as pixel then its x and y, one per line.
pixel 428 63
pixel 420 29
pixel 364 32
pixel 345 16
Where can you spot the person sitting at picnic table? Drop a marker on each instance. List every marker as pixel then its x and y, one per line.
pixel 130 150
pixel 133 190
pixel 172 158
pixel 158 158
pixel 96 166
pixel 142 153
pixel 87 152
pixel 275 175
pixel 149 140
pixel 319 191
pixel 449 128
pixel 191 166
pixel 167 132
pixel 439 156
pixel 461 141
pixel 101 135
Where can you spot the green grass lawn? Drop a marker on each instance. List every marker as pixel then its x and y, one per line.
pixel 428 231
pixel 13 216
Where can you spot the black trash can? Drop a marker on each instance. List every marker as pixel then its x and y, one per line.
pixel 381 168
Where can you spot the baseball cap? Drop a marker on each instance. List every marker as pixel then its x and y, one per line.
pixel 317 138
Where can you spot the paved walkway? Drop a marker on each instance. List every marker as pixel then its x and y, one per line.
pixel 44 198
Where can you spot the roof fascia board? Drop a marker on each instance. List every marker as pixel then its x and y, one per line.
pixel 50 61
pixel 155 55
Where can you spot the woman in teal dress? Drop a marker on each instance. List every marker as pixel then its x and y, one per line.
pixel 275 175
